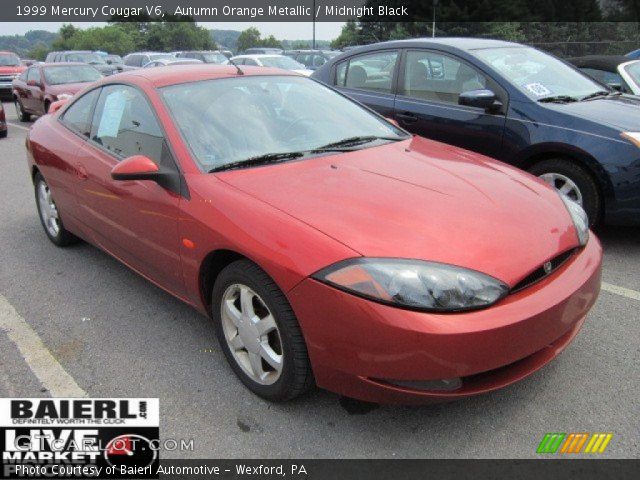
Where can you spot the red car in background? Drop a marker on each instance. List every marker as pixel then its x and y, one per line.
pixel 10 68
pixel 40 85
pixel 328 246
pixel 3 123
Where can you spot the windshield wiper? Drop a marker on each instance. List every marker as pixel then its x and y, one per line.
pixel 600 93
pixel 558 99
pixel 258 160
pixel 353 141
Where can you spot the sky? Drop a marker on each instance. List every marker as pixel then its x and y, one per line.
pixel 280 30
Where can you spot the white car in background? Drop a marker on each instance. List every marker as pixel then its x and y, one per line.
pixel 163 62
pixel 274 61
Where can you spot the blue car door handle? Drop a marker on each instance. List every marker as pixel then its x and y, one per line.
pixel 407 117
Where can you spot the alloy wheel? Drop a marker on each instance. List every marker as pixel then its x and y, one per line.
pixel 252 334
pixel 564 185
pixel 48 210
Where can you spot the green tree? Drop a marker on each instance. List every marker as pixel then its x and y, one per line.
pixel 177 35
pixel 349 35
pixel 248 38
pixel 38 51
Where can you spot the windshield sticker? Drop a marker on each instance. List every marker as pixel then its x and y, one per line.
pixel 538 89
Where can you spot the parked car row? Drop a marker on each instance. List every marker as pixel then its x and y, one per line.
pixel 616 71
pixel 511 102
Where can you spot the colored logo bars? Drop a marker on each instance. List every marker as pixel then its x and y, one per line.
pixel 574 443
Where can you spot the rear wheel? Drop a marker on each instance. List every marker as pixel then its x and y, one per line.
pixel 573 181
pixel 259 333
pixel 49 215
pixel 3 133
pixel 22 115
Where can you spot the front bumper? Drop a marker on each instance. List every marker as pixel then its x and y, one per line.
pixel 370 351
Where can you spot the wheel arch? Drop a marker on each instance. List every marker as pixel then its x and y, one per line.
pixel 214 262
pixel 539 153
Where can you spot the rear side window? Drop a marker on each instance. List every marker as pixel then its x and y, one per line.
pixel 125 125
pixel 372 71
pixel 78 116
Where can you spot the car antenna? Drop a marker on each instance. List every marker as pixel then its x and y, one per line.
pixel 240 72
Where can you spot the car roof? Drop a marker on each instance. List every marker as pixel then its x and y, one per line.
pixel 60 64
pixel 599 62
pixel 459 43
pixel 176 74
pixel 259 55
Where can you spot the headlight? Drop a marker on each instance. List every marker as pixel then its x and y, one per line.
pixel 64 96
pixel 633 137
pixel 414 284
pixel 579 217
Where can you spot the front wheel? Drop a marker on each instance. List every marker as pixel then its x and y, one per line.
pixel 573 181
pixel 49 215
pixel 259 333
pixel 22 115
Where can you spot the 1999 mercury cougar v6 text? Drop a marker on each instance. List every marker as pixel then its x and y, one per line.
pixel 328 246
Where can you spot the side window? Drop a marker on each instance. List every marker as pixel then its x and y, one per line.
pixel 129 60
pixel 433 76
pixel 341 73
pixel 250 61
pixel 78 115
pixel 125 125
pixel 34 75
pixel 373 71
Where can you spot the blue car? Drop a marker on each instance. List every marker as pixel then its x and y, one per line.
pixel 633 55
pixel 511 102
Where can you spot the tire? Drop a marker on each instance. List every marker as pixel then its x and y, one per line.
pixel 59 236
pixel 22 115
pixel 4 133
pixel 560 169
pixel 294 376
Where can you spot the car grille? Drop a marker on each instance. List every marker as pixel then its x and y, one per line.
pixel 541 272
pixel 6 78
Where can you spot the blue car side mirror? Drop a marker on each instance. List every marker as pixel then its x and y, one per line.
pixel 478 98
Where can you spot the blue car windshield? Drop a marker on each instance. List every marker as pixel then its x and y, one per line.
pixel 537 74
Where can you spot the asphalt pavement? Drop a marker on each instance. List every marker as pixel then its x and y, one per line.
pixel 88 324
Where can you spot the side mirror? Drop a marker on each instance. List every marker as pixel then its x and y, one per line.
pixel 616 86
pixel 392 120
pixel 137 167
pixel 485 99
pixel 140 167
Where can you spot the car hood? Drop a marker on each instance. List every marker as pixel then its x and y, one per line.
pixel 622 112
pixel 71 88
pixel 424 200
pixel 12 70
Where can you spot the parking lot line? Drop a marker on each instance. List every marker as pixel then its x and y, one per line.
pixel 624 292
pixel 18 126
pixel 41 362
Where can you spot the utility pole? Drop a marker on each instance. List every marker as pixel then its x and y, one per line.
pixel 433 24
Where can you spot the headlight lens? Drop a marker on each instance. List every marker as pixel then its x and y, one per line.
pixel 633 137
pixel 579 217
pixel 415 284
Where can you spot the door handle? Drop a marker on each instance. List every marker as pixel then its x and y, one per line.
pixel 81 172
pixel 407 117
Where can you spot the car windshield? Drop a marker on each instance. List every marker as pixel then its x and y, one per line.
pixel 90 58
pixel 537 74
pixel 280 61
pixel 217 58
pixel 71 74
pixel 633 70
pixel 9 60
pixel 234 119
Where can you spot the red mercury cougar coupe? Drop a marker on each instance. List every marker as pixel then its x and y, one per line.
pixel 328 246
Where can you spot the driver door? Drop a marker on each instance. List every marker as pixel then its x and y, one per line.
pixel 429 86
pixel 137 221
